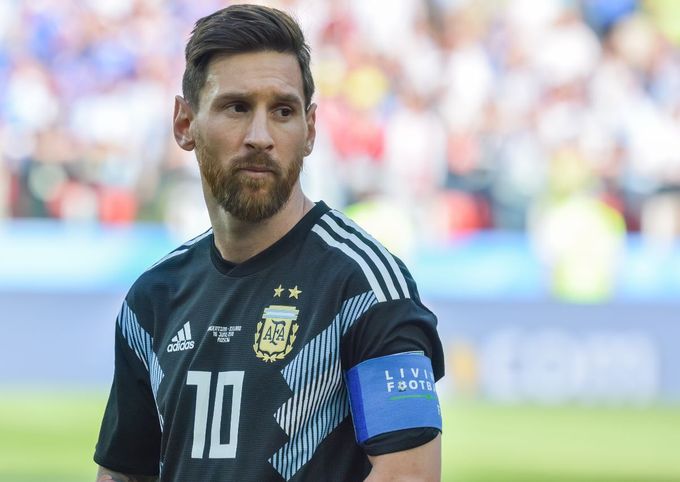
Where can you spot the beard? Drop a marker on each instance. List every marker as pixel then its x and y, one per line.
pixel 247 198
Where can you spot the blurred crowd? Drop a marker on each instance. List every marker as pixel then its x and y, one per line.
pixel 445 116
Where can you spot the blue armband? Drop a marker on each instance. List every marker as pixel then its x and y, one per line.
pixel 393 392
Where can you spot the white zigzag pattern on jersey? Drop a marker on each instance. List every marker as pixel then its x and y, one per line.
pixel 319 402
pixel 142 344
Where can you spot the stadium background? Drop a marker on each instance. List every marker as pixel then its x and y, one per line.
pixel 522 156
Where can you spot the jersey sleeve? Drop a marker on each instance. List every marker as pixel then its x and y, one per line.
pixel 129 438
pixel 389 328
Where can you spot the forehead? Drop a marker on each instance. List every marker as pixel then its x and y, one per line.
pixel 254 74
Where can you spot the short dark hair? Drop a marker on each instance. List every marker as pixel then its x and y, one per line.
pixel 241 29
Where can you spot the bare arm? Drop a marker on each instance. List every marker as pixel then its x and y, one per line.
pixel 421 464
pixel 106 475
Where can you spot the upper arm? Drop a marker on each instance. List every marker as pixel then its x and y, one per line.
pixel 422 463
pixel 130 434
pixel 393 357
pixel 106 475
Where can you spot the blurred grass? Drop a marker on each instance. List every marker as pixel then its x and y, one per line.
pixel 484 443
pixel 50 436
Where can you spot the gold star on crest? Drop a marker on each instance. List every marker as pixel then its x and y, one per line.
pixel 278 291
pixel 294 292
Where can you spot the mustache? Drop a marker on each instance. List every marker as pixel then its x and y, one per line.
pixel 255 160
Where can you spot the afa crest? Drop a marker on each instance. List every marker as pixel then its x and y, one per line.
pixel 276 334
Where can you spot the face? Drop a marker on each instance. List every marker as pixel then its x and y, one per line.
pixel 250 132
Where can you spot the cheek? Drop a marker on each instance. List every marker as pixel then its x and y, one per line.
pixel 223 137
pixel 220 131
pixel 293 139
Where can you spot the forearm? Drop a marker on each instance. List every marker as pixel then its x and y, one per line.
pixel 106 475
pixel 377 476
pixel 419 464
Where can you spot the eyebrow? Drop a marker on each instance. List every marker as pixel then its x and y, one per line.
pixel 243 96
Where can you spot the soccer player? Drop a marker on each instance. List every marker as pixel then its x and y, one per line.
pixel 285 343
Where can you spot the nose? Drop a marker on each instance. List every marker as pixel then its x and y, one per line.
pixel 258 136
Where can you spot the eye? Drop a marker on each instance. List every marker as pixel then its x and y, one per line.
pixel 236 108
pixel 284 111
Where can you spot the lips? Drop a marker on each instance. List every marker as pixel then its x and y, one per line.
pixel 256 169
pixel 256 163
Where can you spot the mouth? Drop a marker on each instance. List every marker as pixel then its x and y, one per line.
pixel 256 165
pixel 256 172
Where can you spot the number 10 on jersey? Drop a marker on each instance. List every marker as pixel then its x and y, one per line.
pixel 201 380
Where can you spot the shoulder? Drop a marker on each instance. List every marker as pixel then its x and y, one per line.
pixel 183 251
pixel 177 267
pixel 352 250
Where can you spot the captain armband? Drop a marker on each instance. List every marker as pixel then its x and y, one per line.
pixel 393 392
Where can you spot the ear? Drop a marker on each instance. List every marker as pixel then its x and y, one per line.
pixel 181 124
pixel 310 118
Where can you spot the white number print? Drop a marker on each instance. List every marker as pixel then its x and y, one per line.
pixel 201 380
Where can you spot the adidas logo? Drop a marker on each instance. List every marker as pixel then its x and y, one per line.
pixel 182 340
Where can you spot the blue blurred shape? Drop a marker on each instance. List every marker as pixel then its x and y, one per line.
pixel 488 265
pixel 43 255
pixel 51 255
pixel 601 15
pixel 649 271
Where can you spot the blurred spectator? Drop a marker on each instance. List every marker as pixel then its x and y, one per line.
pixel 454 112
pixel 578 235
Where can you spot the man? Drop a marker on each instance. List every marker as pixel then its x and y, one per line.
pixel 284 343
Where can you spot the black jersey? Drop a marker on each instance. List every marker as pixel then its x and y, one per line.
pixel 229 372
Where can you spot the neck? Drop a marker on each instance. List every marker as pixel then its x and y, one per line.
pixel 238 241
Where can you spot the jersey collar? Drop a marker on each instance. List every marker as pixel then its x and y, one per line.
pixel 269 256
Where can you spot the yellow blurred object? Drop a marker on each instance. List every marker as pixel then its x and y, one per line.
pixel 386 222
pixel 569 173
pixel 578 236
pixel 462 367
pixel 666 16
pixel 365 87
pixel 581 238
pixel 329 74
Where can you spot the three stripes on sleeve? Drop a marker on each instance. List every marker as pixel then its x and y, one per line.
pixel 379 266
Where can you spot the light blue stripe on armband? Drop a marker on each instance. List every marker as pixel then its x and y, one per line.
pixel 393 392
